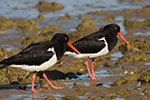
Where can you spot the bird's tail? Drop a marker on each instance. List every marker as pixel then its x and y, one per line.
pixel 3 66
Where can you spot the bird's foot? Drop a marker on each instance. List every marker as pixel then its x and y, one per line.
pixel 93 78
pixel 36 91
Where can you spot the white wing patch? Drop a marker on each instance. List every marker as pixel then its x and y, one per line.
pixel 51 49
pixel 91 55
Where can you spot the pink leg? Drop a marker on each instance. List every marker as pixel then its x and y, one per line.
pixel 33 78
pixel 52 86
pixel 86 63
pixel 92 69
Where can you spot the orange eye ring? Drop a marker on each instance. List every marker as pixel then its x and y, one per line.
pixel 66 38
pixel 116 28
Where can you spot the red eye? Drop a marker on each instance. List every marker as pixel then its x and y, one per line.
pixel 116 28
pixel 66 38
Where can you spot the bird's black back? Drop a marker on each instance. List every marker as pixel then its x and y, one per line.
pixel 36 54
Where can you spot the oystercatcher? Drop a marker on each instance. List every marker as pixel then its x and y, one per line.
pixel 40 56
pixel 96 44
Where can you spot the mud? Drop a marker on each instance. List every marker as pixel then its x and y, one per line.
pixel 123 74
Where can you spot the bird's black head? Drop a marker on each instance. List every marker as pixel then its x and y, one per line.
pixel 112 29
pixel 61 38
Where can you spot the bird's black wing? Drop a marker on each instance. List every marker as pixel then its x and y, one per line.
pixel 89 46
pixel 34 54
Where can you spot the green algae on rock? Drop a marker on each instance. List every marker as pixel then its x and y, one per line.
pixel 135 58
pixel 33 39
pixel 40 18
pixel 87 26
pixel 97 13
pixel 50 98
pixel 109 18
pixel 85 17
pixel 64 18
pixel 110 96
pixel 119 82
pixel 135 25
pixel 145 77
pixel 44 6
pixel 67 97
pixel 25 26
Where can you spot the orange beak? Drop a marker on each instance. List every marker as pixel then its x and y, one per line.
pixel 72 47
pixel 121 36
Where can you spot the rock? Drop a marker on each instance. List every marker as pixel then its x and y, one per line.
pixel 85 17
pixel 44 6
pixel 108 19
pixel 145 77
pixel 109 95
pixel 50 98
pixel 93 98
pixel 40 18
pixel 119 82
pixel 64 18
pixel 97 13
pixel 67 97
pixel 87 26
pixel 146 91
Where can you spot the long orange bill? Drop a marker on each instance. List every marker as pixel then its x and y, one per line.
pixel 121 36
pixel 73 48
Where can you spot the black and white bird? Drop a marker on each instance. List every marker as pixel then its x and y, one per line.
pixel 40 56
pixel 96 44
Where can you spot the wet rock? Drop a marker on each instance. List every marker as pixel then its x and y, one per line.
pixel 109 96
pixel 28 79
pixel 85 17
pixel 82 91
pixel 67 97
pixel 123 92
pixel 126 11
pixel 3 53
pixel 44 6
pixel 64 18
pixel 87 26
pixel 143 12
pixel 25 26
pixel 94 98
pixel 131 77
pixel 108 65
pixel 38 38
pixel 50 98
pixel 47 28
pixel 3 77
pixel 40 18
pixel 71 75
pixel 136 57
pixel 97 13
pixel 135 25
pixel 138 44
pixel 16 75
pixel 119 82
pixel 147 91
pixel 145 77
pixel 139 71
pixel 108 19
pixel 136 1
pixel 78 85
